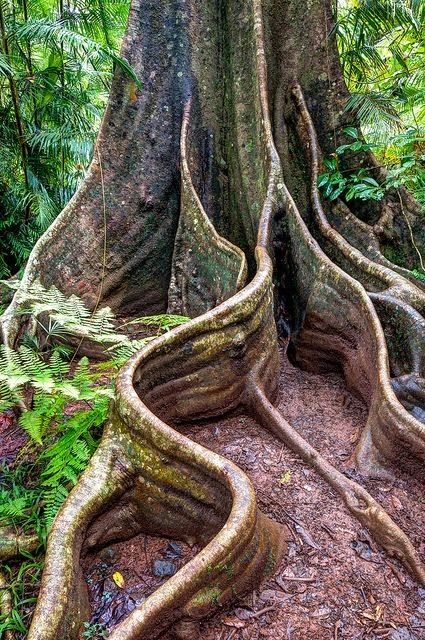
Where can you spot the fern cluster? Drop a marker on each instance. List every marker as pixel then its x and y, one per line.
pixel 59 316
pixel 67 409
pixel 62 404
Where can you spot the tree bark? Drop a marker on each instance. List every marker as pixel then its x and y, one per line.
pixel 211 208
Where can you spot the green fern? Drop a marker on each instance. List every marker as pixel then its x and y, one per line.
pixel 70 316
pixel 62 435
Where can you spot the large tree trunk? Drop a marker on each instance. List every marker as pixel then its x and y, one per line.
pixel 202 199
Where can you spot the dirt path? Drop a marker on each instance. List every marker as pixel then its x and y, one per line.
pixel 334 583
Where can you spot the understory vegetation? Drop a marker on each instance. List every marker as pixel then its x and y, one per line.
pixel 56 64
pixel 62 401
pixel 382 49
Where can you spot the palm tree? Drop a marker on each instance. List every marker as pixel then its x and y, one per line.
pixel 382 47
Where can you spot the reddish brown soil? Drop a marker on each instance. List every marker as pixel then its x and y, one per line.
pixel 12 437
pixel 334 583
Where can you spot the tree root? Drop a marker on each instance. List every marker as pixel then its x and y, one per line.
pixel 357 500
pixel 146 476
pixel 13 544
pixel 161 483
pixel 391 433
pixel 6 605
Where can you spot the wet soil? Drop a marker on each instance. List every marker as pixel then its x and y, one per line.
pixel 334 582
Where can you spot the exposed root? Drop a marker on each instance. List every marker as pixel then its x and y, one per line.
pixel 357 500
pixel 13 544
pixel 165 484
pixel 391 433
pixel 6 605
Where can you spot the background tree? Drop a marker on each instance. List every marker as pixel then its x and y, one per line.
pixel 56 64
pixel 382 47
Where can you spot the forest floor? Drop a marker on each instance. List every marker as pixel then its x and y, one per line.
pixel 334 583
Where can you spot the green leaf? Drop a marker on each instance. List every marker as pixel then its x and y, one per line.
pixel 330 163
pixel 351 131
pixel 371 181
pixel 323 179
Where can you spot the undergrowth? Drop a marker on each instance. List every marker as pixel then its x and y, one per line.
pixel 361 184
pixel 61 401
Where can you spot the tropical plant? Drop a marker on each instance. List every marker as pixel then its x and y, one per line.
pixel 56 62
pixel 361 184
pixel 382 47
pixel 66 410
pixel 93 631
pixel 63 405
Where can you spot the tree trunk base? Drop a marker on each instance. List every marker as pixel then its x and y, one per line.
pixel 146 476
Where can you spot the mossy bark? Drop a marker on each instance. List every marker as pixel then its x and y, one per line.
pixel 211 208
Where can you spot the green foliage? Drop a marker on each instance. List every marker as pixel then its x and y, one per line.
pixel 67 316
pixel 382 52
pixel 361 184
pixel 382 47
pixel 67 403
pixel 420 275
pixel 59 317
pixel 22 585
pixel 93 631
pixel 67 408
pixel 56 63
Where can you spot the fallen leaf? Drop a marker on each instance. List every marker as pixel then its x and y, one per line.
pixel 233 622
pixel 379 611
pixel 118 578
pixel 285 477
pixel 368 614
pixel 355 436
pixel 375 615
pixel 397 504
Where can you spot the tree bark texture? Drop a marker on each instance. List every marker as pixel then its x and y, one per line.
pixel 202 199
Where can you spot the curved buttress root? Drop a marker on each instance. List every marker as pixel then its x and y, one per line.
pixel 357 500
pixel 352 297
pixel 146 476
pixel 159 483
